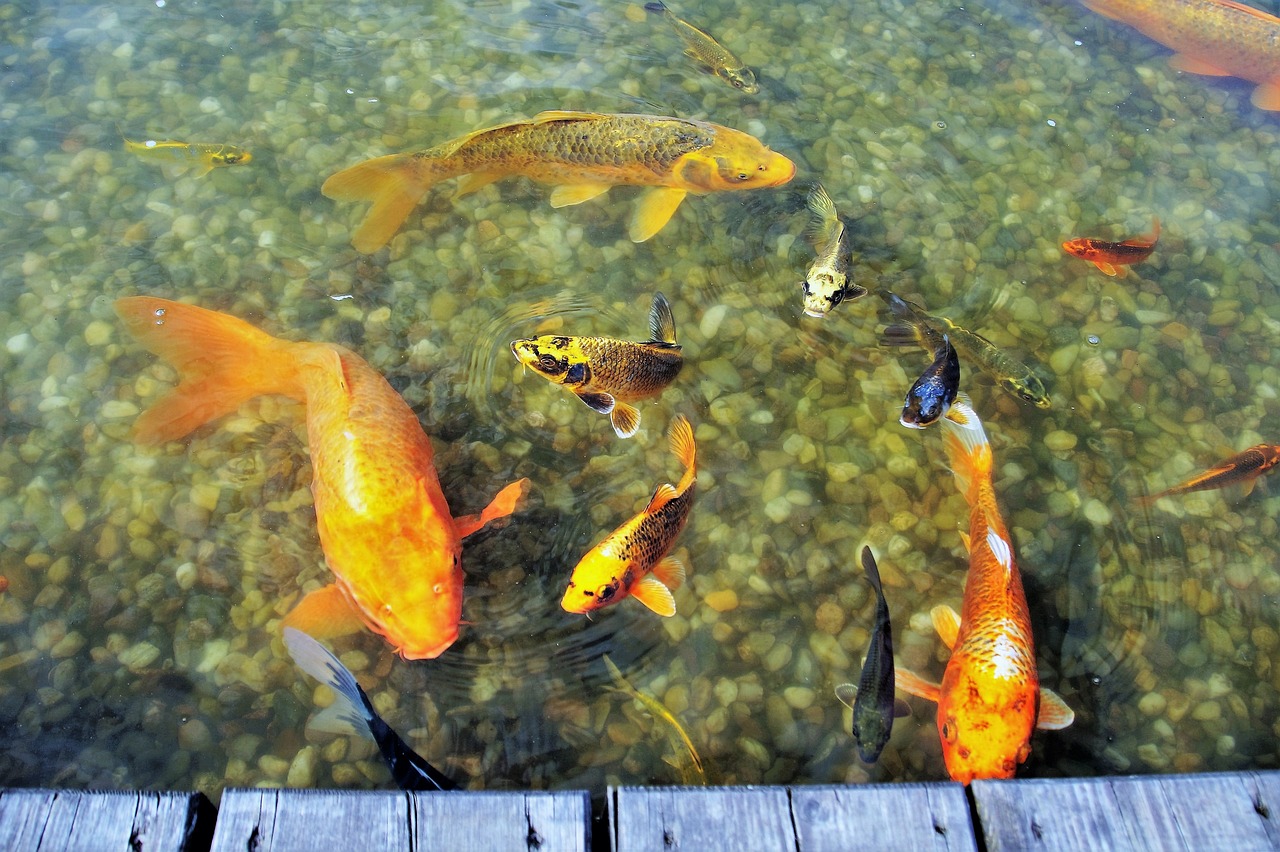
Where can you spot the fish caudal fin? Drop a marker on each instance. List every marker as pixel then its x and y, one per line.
pixel 503 504
pixel 652 593
pixel 222 361
pixel 350 713
pixel 968 449
pixel 394 183
pixel 654 209
pixel 625 419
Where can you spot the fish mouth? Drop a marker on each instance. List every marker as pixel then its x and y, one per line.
pixel 912 424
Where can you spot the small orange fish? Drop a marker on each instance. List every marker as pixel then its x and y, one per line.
pixel 990 697
pixel 1243 467
pixel 385 528
pixel 632 560
pixel 1114 258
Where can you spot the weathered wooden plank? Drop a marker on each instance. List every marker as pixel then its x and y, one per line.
pixel 1209 811
pixel 1265 790
pixel 882 816
pixel 115 819
pixel 726 819
pixel 1049 814
pixel 515 821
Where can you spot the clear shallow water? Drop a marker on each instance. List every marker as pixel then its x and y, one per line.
pixel 139 635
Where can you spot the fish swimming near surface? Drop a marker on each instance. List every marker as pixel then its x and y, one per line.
pixel 915 327
pixel 609 374
pixel 1114 258
pixel 990 698
pixel 930 397
pixel 583 154
pixel 873 701
pixel 1243 468
pixel 827 283
pixel 353 713
pixel 386 530
pixel 709 53
pixel 201 157
pixel 632 561
pixel 1216 38
pixel 690 766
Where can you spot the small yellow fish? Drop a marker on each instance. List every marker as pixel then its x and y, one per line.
pixel 609 374
pixel 632 561
pixel 827 282
pixel 204 157
pixel 709 53
pixel 691 771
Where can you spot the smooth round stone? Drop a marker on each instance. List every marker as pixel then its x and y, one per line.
pixel 1152 704
pixel 98 333
pixel 185 227
pixel 722 600
pixel 1059 440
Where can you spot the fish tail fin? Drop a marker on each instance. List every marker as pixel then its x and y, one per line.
pixel 222 361
pixel 966 444
pixel 680 436
pixel 351 712
pixel 394 183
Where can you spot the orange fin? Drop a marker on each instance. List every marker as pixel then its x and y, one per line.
pixel 569 194
pixel 476 180
pixel 947 622
pixel 324 614
pixel 1191 65
pixel 664 494
pixel 670 572
pixel 625 419
pixel 1267 96
pixel 1054 712
pixel 912 684
pixel 650 592
pixel 680 437
pixel 502 505
pixel 1108 269
pixel 1103 8
pixel 392 183
pixel 654 209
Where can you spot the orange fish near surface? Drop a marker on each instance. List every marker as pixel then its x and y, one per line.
pixel 583 154
pixel 990 698
pixel 1217 38
pixel 1243 467
pixel 386 530
pixel 1115 258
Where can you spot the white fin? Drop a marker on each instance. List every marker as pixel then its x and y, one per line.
pixel 348 714
pixel 847 693
pixel 1000 549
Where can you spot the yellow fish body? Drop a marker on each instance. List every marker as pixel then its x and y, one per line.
pixel 709 53
pixel 204 157
pixel 632 561
pixel 827 284
pixel 609 374
pixel 583 154
pixel 690 769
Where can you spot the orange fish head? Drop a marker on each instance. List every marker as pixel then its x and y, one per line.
pixel 1079 247
pixel 985 725
pixel 597 581
pixel 735 161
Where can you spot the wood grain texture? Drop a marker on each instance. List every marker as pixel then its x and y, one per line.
pixel 728 818
pixel 50 820
pixel 883 816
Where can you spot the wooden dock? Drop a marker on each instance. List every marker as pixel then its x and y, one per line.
pixel 1229 811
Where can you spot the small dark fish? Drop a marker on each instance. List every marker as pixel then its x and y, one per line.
pixel 935 390
pixel 873 701
pixel 1243 467
pixel 353 711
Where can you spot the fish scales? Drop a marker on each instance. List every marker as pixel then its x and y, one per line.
pixel 642 368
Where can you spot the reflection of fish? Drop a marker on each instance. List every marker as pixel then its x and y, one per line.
pixel 709 53
pixel 872 700
pixel 990 697
pixel 935 390
pixel 827 283
pixel 690 768
pixel 203 157
pixel 609 374
pixel 386 530
pixel 583 154
pixel 1243 467
pixel 353 713
pixel 1217 38
pixel 921 329
pixel 1114 258
pixel 632 560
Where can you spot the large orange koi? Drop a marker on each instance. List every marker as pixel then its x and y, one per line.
pixel 386 530
pixel 990 698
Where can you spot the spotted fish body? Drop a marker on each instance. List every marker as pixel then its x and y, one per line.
pixel 709 53
pixel 632 561
pixel 609 374
pixel 827 283
pixel 1243 467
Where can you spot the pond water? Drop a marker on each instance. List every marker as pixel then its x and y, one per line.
pixel 140 630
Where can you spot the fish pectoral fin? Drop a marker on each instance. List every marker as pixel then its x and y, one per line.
pixel 968 545
pixel 474 181
pixel 625 419
pixel 1054 712
pixel 602 403
pixel 901 709
pixel 652 593
pixel 1108 269
pixel 566 195
pixel 670 571
pixel 1267 96
pixel 654 209
pixel 503 504
pixel 947 622
pixel 1191 65
pixel 324 614
pixel 847 693
pixel 203 169
pixel 912 684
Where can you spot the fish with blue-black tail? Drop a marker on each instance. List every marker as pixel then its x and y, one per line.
pixel 608 374
pixel 709 53
pixel 873 701
pixel 935 390
pixel 827 283
pixel 353 713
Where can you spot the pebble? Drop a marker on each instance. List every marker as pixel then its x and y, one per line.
pixel 722 600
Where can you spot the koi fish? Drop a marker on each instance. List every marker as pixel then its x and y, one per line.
pixel 607 374
pixel 203 157
pixel 690 769
pixel 632 560
pixel 827 284
pixel 353 713
pixel 1114 258
pixel 583 154
pixel 919 328
pixel 872 700
pixel 1216 38
pixel 1243 467
pixel 385 528
pixel 932 394
pixel 990 697
pixel 709 53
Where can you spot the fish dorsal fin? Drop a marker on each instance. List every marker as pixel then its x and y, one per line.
pixel 650 592
pixel 847 693
pixel 664 494
pixel 451 147
pixel 547 116
pixel 912 684
pixel 599 402
pixel 569 194
pixel 946 621
pixel 662 323
pixel 1054 712
pixel 625 419
pixel 1000 549
pixel 670 571
pixel 654 209
pixel 1257 13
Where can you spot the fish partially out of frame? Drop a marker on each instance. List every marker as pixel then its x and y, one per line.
pixel 1243 468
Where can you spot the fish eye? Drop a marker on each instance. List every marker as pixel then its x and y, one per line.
pixel 547 362
pixel 737 84
pixel 743 175
pixel 607 592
